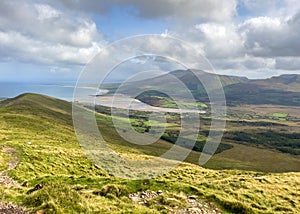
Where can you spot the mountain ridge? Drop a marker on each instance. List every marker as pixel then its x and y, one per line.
pixel 278 90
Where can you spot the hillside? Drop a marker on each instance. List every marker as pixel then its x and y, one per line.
pixel 189 78
pixel 285 82
pixel 42 105
pixel 51 174
pixel 281 90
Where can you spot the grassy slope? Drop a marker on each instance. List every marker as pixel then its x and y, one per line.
pixel 70 180
pixel 246 156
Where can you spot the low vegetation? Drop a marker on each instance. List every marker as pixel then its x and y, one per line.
pixel 56 177
pixel 272 143
pixel 281 116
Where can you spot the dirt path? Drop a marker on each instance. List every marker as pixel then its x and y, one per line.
pixel 5 180
pixel 9 208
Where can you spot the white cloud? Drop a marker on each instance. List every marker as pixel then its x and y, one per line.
pixel 262 34
pixel 259 7
pixel 272 37
pixel 19 47
pixel 40 33
pixel 218 10
pixel 220 40
pixel 258 44
pixel 62 33
pixel 253 63
pixel 179 10
pixel 46 12
pixel 288 63
pixel 271 8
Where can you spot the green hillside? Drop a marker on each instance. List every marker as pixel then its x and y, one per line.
pixel 48 171
pixel 189 78
pixel 281 90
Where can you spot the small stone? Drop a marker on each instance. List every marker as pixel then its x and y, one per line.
pixel 159 192
pixel 135 198
pixel 172 199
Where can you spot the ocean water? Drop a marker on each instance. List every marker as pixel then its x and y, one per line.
pixel 62 91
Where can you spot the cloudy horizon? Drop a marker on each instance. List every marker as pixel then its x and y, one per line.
pixel 53 40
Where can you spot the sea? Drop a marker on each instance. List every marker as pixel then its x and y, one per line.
pixel 62 90
pixel 65 91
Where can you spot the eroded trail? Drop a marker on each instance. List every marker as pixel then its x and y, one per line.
pixel 6 180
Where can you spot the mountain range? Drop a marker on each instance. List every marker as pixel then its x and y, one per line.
pixel 279 90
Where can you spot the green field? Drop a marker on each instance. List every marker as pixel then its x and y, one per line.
pixel 281 116
pixel 55 176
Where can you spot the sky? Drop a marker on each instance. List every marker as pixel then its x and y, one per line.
pixel 52 40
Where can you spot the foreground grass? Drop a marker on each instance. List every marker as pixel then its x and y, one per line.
pixel 56 176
